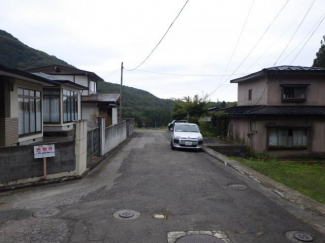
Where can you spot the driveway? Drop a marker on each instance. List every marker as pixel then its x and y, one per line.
pixel 189 192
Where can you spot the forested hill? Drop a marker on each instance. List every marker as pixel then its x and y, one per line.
pixel 146 108
pixel 15 54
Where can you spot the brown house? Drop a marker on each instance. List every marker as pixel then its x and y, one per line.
pixel 281 110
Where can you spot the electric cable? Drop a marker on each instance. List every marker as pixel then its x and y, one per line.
pixel 111 73
pixel 294 33
pixel 308 39
pixel 274 41
pixel 160 39
pixel 254 45
pixel 241 32
pixel 188 75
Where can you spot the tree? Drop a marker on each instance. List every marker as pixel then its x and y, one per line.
pixel 319 61
pixel 192 108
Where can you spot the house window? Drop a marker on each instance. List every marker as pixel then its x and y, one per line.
pixel 51 107
pixel 92 86
pixel 294 93
pixel 70 106
pixel 29 114
pixel 287 138
pixel 250 94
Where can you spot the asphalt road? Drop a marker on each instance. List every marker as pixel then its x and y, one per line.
pixel 191 189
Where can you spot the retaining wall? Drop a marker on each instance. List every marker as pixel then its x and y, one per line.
pixel 17 162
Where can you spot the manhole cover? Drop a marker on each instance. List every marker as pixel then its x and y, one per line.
pixel 199 239
pixel 238 186
pixel 126 214
pixel 46 213
pixel 303 237
pixel 296 236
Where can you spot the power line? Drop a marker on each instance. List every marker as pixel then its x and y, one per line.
pixel 308 39
pixel 111 73
pixel 274 42
pixel 294 33
pixel 160 39
pixel 241 32
pixel 189 75
pixel 254 45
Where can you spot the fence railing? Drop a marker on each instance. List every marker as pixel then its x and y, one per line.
pixel 93 142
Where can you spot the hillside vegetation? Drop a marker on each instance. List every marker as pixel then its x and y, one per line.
pixel 147 109
pixel 15 54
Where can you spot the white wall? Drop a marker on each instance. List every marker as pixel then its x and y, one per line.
pixel 82 80
pixel 114 135
pixel 114 116
pixel 90 112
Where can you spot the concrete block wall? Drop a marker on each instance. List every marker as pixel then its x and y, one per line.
pixel 114 135
pixel 18 163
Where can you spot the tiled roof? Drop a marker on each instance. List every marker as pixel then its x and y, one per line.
pixel 60 80
pixel 64 70
pixel 101 98
pixel 289 110
pixel 281 69
pixel 26 76
pixel 240 111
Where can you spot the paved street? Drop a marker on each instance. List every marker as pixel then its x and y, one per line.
pixel 191 189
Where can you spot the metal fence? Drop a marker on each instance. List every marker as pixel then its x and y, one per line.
pixel 93 142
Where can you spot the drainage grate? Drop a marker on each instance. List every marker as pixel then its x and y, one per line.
pixel 46 213
pixel 199 239
pixel 296 236
pixel 126 214
pixel 238 186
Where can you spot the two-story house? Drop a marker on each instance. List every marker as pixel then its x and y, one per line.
pixel 281 110
pixel 31 105
pixel 93 104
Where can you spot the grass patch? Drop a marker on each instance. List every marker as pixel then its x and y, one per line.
pixel 306 177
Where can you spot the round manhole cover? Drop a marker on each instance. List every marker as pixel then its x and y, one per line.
pixel 296 236
pixel 46 213
pixel 304 237
pixel 199 239
pixel 238 186
pixel 126 214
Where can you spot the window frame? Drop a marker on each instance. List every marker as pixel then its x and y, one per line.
pixel 250 94
pixel 60 112
pixel 34 97
pixel 283 147
pixel 74 101
pixel 294 86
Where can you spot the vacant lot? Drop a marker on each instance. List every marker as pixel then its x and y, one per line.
pixel 306 177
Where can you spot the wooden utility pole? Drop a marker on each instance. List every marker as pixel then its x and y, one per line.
pixel 121 92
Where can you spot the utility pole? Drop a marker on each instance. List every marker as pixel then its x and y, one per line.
pixel 121 92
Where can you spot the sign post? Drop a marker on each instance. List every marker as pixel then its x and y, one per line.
pixel 44 151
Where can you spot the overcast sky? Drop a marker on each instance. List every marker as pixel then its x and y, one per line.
pixel 98 35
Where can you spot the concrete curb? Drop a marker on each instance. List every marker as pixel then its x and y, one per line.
pixel 277 188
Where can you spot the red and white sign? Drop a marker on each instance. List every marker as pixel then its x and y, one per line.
pixel 44 151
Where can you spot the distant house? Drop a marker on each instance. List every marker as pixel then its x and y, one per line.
pixel 33 104
pixel 280 110
pixel 93 104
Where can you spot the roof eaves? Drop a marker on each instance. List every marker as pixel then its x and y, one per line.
pixel 27 75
